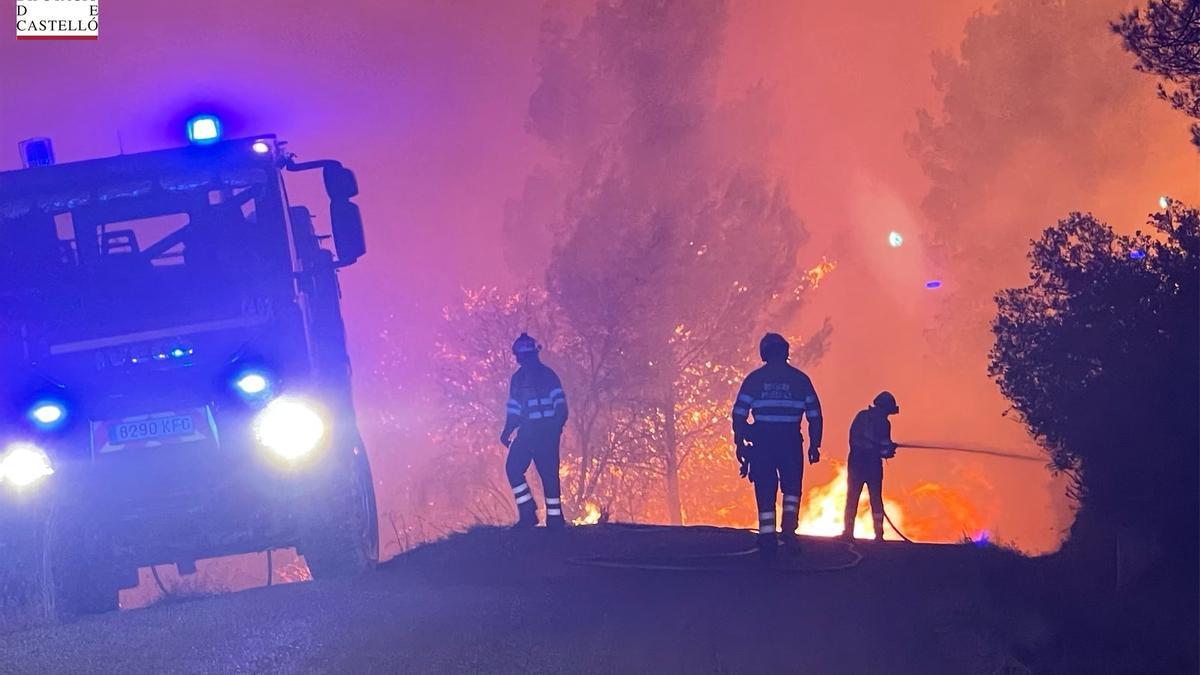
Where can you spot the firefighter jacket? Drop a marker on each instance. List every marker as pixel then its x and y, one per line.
pixel 870 437
pixel 778 396
pixel 535 399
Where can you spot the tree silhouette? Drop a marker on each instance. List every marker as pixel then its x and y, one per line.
pixel 1166 40
pixel 1100 356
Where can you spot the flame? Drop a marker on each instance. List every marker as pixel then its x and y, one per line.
pixel 822 512
pixel 591 515
pixel 818 272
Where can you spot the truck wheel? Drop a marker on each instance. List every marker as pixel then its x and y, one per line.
pixel 79 573
pixel 344 539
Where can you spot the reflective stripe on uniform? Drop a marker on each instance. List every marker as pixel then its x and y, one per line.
pixel 791 508
pixel 767 529
pixel 766 515
pixel 557 393
pixel 747 398
pixel 813 410
pixel 777 418
pixel 552 501
pixel 554 512
pixel 782 403
pixel 523 487
pixel 740 411
pixel 791 499
pixel 535 415
pixel 524 498
pixel 533 401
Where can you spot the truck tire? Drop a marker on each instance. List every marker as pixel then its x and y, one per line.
pixel 343 538
pixel 79 573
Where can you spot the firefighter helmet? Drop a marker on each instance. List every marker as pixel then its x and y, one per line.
pixel 525 345
pixel 773 346
pixel 886 402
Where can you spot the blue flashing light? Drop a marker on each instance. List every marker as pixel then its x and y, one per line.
pixel 204 130
pixel 178 353
pixel 1137 254
pixel 933 283
pixel 252 383
pixel 47 414
pixel 37 152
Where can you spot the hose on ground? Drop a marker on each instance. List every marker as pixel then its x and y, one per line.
pixel 695 562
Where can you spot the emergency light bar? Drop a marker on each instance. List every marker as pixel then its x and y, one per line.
pixel 36 152
pixel 204 130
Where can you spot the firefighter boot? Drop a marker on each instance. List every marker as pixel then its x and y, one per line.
pixel 789 523
pixel 768 547
pixel 878 522
pixel 527 515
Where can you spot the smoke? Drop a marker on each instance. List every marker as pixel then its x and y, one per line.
pixel 1036 111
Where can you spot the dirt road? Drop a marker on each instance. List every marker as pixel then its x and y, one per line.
pixel 494 601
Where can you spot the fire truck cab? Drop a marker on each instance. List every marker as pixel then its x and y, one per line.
pixel 174 379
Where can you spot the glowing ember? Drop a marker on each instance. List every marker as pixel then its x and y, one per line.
pixel 818 272
pixel 1164 202
pixel 591 515
pixel 822 511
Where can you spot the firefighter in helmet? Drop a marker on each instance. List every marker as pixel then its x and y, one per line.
pixel 870 444
pixel 771 449
pixel 537 411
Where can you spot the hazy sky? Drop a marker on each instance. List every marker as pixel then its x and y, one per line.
pixel 427 101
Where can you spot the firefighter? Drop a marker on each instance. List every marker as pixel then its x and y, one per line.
pixel 779 396
pixel 870 444
pixel 537 411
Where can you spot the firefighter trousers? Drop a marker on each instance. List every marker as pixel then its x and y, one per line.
pixel 776 466
pixel 539 445
pixel 859 475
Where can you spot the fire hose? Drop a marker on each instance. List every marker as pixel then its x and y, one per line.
pixel 974 451
pixel 697 562
pixel 916 445
pixel 694 562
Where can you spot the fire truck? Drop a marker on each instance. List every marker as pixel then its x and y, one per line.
pixel 174 378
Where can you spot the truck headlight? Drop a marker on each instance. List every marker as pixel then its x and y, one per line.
pixel 23 464
pixel 289 427
pixel 252 383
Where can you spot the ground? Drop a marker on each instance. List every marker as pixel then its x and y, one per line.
pixel 497 601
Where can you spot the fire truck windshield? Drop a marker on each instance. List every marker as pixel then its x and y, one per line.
pixel 174 249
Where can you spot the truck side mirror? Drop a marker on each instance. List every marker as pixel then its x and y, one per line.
pixel 348 237
pixel 340 183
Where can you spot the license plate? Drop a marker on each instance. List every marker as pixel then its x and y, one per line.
pixel 144 430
